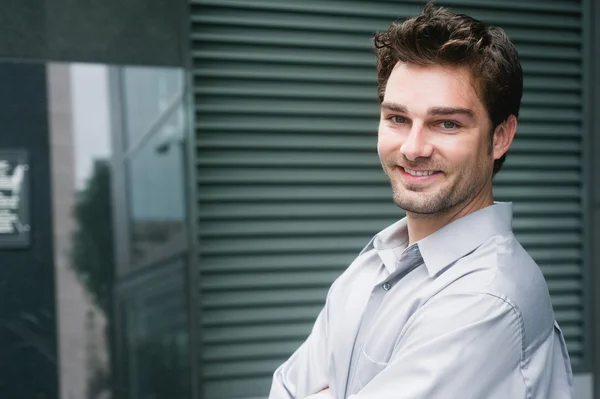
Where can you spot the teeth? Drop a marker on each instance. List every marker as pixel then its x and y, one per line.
pixel 418 173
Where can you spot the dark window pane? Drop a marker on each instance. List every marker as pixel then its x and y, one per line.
pixel 155 335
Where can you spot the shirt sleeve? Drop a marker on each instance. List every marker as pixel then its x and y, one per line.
pixel 456 345
pixel 305 372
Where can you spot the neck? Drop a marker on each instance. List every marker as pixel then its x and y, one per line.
pixel 421 226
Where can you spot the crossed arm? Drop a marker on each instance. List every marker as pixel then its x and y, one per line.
pixel 466 345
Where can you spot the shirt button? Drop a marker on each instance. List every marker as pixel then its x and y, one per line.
pixel 387 286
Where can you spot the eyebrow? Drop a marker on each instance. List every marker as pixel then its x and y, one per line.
pixel 451 111
pixel 435 111
pixel 394 107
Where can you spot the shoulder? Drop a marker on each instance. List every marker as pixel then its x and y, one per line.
pixel 502 269
pixel 520 281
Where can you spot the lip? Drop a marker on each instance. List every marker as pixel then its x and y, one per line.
pixel 410 179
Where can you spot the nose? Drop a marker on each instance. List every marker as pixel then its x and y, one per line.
pixel 416 144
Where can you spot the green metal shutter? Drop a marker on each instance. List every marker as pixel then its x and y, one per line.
pixel 289 184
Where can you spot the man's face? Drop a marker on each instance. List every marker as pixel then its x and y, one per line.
pixel 434 138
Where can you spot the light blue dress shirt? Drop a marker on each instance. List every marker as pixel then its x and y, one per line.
pixel 463 313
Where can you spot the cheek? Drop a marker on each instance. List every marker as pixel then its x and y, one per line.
pixel 387 141
pixel 457 150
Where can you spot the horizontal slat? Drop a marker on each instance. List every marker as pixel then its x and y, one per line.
pixel 569 316
pixel 549 239
pixel 249 299
pixel 253 351
pixel 327 227
pixel 274 245
pixel 575 349
pixel 559 261
pixel 235 71
pixel 352 66
pixel 258 316
pixel 265 332
pixel 242 369
pixel 273 280
pixel 566 301
pixel 340 92
pixel 560 286
pixel 530 14
pixel 524 162
pixel 278 244
pixel 264 25
pixel 264 36
pixel 562 268
pixel 572 332
pixel 335 260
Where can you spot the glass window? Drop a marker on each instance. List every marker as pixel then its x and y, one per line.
pixel 155 336
pixel 156 191
pixel 147 93
pixel 122 332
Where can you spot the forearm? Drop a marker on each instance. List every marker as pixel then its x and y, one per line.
pixel 306 371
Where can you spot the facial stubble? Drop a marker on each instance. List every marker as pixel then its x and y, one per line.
pixel 465 186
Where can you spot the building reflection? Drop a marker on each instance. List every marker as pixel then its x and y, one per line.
pixel 117 145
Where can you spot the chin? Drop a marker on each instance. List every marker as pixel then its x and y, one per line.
pixel 418 203
pixel 419 209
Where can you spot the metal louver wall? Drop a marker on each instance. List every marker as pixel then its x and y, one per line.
pixel 289 185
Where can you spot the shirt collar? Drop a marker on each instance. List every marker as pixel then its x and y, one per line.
pixel 390 244
pixel 464 235
pixel 446 245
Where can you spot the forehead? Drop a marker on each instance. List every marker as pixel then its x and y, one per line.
pixel 417 86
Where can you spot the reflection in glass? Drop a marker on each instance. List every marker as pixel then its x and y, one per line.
pixel 147 93
pixel 157 206
pixel 155 335
pixel 83 233
pixel 120 335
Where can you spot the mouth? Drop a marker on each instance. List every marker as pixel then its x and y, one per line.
pixel 418 176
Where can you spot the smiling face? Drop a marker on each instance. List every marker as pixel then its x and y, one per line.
pixel 434 139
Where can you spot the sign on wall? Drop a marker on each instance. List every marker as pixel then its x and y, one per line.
pixel 15 227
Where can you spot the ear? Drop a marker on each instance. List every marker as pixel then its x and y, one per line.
pixel 503 136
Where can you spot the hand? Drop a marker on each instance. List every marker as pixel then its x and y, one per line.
pixel 319 395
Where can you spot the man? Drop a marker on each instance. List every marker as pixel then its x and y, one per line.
pixel 444 303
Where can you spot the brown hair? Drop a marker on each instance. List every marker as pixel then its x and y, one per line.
pixel 439 36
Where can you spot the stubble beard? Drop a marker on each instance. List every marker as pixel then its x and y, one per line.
pixel 447 197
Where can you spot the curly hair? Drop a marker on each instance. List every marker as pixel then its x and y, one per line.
pixel 437 36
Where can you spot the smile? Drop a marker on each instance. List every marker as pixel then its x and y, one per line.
pixel 419 172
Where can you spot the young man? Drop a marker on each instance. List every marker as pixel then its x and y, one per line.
pixel 444 303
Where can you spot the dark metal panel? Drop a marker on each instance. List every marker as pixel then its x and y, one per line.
pixel 23 29
pixel 112 31
pixel 586 190
pixel 28 338
pixel 592 10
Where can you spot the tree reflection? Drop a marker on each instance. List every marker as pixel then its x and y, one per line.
pixel 93 259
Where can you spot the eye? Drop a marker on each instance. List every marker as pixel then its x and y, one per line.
pixel 397 119
pixel 449 125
